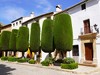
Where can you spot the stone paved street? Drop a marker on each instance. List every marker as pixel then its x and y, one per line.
pixel 7 68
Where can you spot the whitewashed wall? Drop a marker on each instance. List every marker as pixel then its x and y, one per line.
pixel 16 26
pixel 78 16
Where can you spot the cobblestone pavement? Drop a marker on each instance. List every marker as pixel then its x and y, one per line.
pixel 8 68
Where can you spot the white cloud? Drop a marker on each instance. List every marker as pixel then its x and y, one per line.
pixel 45 5
pixel 11 13
pixel 38 6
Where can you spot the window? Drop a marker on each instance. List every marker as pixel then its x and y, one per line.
pixel 83 6
pixel 37 21
pixel 16 23
pixel 13 24
pixel 48 17
pixel 75 50
pixel 87 26
pixel 20 22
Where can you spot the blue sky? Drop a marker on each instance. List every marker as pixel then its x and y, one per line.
pixel 13 9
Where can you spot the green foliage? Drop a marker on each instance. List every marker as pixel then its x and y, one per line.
pixel 27 59
pixel 35 37
pixel 50 60
pixel 12 43
pixel 47 36
pixel 4 58
pixel 63 35
pixel 0 42
pixel 68 61
pixel 22 39
pixel 22 60
pixel 12 59
pixel 45 63
pixel 69 66
pixel 31 61
pixel 5 37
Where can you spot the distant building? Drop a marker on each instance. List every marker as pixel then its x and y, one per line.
pixel 1 24
pixel 18 22
pixel 6 28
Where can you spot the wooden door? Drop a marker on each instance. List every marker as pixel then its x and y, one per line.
pixel 87 26
pixel 89 51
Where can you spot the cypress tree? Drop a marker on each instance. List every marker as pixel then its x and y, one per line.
pixel 5 37
pixel 35 37
pixel 12 43
pixel 63 34
pixel 47 36
pixel 0 47
pixel 0 42
pixel 22 40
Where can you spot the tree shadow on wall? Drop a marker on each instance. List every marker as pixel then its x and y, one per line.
pixel 4 70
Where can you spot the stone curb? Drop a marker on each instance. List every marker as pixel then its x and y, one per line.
pixel 53 68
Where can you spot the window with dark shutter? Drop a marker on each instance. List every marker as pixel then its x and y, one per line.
pixel 75 50
pixel 83 6
pixel 87 26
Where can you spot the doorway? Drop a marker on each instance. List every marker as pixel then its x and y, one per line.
pixel 89 51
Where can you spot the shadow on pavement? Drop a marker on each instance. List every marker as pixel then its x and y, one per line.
pixel 4 70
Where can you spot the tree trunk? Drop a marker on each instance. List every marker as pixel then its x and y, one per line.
pixel 50 54
pixel 0 53
pixel 38 56
pixel 6 52
pixel 3 53
pixel 10 53
pixel 15 53
pixel 23 55
pixel 64 54
pixel 31 56
pixel 56 53
pixel 35 55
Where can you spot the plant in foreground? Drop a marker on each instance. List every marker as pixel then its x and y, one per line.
pixel 12 59
pixel 31 61
pixel 4 58
pixel 69 63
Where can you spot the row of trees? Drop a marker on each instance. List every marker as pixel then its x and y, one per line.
pixel 56 34
pixel 17 40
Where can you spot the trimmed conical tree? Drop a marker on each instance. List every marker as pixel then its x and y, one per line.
pixel 12 43
pixel 22 42
pixel 0 47
pixel 35 38
pixel 0 42
pixel 5 37
pixel 63 34
pixel 47 36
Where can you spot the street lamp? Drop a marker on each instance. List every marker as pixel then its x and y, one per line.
pixel 96 28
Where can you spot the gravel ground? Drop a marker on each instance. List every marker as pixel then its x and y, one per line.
pixel 7 68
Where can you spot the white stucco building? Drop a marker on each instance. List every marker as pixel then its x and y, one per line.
pixel 18 22
pixel 86 25
pixel 85 21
